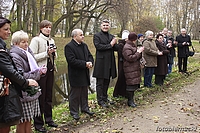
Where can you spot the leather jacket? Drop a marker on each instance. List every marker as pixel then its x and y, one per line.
pixel 8 69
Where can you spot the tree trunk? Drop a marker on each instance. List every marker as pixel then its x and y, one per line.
pixel 27 14
pixel 19 14
pixel 35 20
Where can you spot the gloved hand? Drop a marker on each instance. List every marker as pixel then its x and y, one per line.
pixel 32 90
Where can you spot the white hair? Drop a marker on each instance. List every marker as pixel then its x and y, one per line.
pixel 75 32
pixel 18 36
pixel 148 33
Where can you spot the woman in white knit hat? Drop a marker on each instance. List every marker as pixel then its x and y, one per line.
pixel 120 87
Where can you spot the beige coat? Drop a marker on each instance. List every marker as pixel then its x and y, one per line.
pixel 150 53
pixel 39 47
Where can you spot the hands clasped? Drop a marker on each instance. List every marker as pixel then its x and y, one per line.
pixel 89 64
pixel 114 41
pixel 139 50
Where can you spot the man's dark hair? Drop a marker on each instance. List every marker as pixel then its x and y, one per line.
pixel 105 21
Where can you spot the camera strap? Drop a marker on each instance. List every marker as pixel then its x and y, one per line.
pixel 47 43
pixel 52 61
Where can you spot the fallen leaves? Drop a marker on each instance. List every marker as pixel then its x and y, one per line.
pixel 156 119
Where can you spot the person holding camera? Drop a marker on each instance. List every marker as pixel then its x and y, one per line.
pixel 44 49
pixel 183 43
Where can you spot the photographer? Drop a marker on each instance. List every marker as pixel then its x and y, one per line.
pixel 44 49
pixel 184 41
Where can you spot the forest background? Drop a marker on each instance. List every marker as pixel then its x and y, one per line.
pixel 134 15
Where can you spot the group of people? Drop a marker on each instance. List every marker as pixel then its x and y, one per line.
pixel 30 70
pixel 33 65
pixel 158 55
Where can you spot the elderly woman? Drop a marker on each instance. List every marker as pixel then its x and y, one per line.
pixel 132 69
pixel 162 68
pixel 25 61
pixel 120 86
pixel 17 81
pixel 150 54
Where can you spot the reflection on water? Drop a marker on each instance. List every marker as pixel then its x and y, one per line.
pixel 61 85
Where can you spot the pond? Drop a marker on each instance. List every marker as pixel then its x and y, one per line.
pixel 61 85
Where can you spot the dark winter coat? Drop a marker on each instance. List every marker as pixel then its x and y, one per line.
pixel 105 66
pixel 77 55
pixel 162 66
pixel 120 86
pixel 21 61
pixel 132 68
pixel 172 50
pixel 8 69
pixel 18 82
pixel 183 50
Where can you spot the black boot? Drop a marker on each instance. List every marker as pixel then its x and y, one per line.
pixel 130 102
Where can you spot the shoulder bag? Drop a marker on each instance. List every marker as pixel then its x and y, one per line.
pixel 191 53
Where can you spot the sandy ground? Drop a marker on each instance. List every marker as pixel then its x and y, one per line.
pixel 175 113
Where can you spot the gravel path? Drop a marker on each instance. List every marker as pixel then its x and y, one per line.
pixel 177 113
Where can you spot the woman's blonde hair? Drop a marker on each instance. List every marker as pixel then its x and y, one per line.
pixel 18 36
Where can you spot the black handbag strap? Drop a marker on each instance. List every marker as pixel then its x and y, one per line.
pixel 193 49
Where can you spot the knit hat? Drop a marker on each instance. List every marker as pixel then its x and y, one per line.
pixel 139 35
pixel 132 36
pixel 125 34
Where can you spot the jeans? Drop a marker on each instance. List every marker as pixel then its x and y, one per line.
pixel 170 66
pixel 148 74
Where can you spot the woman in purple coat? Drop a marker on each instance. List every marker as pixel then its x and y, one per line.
pixel 25 61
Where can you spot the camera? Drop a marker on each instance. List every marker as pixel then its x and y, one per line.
pixel 52 46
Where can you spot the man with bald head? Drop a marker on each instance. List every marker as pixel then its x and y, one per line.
pixel 79 60
pixel 183 43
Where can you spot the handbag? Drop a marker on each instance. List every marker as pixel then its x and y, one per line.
pixel 11 108
pixel 142 62
pixel 191 53
pixel 4 85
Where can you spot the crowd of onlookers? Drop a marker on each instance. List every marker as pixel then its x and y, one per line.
pixel 138 55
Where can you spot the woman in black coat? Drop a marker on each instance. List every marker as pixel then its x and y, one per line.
pixel 17 81
pixel 162 68
pixel 120 86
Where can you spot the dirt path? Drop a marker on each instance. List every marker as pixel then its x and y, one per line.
pixel 178 113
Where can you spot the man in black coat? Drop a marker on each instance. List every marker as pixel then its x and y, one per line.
pixel 105 66
pixel 79 61
pixel 184 41
pixel 171 45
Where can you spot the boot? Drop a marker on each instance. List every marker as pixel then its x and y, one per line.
pixel 130 102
